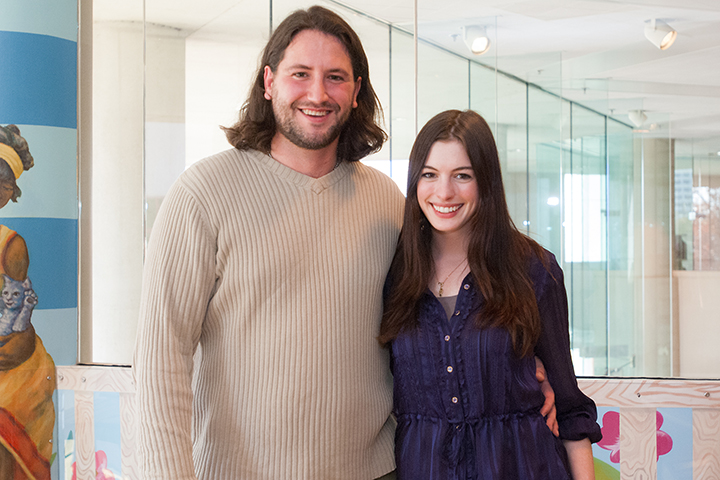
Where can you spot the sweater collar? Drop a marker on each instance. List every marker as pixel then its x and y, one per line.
pixel 316 185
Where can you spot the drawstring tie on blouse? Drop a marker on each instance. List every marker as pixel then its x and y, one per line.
pixel 458 444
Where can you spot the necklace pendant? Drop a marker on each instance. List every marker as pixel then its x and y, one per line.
pixel 440 284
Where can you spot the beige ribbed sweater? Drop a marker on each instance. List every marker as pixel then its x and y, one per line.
pixel 276 278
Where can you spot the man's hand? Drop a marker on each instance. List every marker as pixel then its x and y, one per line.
pixel 548 409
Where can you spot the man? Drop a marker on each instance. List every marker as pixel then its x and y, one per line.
pixel 271 259
pixel 266 264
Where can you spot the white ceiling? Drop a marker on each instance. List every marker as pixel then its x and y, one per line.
pixel 590 51
pixel 595 51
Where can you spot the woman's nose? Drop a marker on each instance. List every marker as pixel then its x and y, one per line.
pixel 445 188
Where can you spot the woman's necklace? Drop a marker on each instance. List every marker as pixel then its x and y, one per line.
pixel 441 284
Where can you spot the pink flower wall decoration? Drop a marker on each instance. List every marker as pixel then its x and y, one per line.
pixel 101 470
pixel 664 441
pixel 611 436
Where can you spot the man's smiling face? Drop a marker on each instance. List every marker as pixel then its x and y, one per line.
pixel 312 90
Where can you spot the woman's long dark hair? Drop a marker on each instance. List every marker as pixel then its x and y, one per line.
pixel 498 253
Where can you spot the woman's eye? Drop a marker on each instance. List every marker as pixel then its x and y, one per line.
pixel 427 175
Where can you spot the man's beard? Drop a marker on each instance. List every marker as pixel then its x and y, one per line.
pixel 286 125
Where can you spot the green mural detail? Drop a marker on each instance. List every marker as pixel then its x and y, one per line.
pixel 603 471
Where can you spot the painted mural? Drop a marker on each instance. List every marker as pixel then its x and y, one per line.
pixel 38 230
pixel 27 371
pixel 673 452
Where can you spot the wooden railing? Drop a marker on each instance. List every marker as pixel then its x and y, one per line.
pixel 636 401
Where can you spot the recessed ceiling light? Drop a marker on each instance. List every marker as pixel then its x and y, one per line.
pixel 476 39
pixel 637 117
pixel 660 34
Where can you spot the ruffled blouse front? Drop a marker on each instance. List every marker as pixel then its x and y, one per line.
pixel 468 408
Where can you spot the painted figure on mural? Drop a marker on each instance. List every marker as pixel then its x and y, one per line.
pixel 19 299
pixel 27 372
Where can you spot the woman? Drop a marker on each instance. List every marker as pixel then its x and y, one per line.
pixel 27 372
pixel 471 301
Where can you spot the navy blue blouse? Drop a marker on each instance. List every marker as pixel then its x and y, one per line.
pixel 468 408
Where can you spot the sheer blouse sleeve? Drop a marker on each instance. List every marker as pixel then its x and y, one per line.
pixel 576 412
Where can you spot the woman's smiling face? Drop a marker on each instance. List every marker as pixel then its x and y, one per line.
pixel 447 190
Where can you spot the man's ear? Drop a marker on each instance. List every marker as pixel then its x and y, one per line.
pixel 358 83
pixel 268 81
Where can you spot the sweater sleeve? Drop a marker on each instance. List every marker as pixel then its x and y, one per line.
pixel 576 412
pixel 178 282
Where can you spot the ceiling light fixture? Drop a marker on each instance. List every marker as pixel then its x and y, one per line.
pixel 637 117
pixel 476 39
pixel 660 33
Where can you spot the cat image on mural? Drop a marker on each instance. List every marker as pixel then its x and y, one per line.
pixel 18 301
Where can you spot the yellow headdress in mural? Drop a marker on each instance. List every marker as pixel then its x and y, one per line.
pixel 10 156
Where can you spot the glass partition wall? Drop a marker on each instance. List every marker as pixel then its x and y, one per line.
pixel 583 184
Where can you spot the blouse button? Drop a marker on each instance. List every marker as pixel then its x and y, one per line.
pixel 457 312
pixel 454 399
pixel 449 369
pixel 466 286
pixel 447 338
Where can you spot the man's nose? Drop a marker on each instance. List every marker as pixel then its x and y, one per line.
pixel 316 91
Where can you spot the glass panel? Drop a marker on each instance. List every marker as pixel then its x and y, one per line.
pixel 685 215
pixel 376 42
pixel 545 170
pixel 511 138
pixel 622 348
pixel 696 279
pixel 442 82
pixel 585 253
pixel 483 93
pixel 653 327
pixel 402 103
pixel 706 218
pixel 108 331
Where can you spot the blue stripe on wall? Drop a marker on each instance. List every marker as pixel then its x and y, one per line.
pixel 38 75
pixel 52 245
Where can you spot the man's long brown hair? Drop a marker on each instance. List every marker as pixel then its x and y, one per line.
pixel 360 136
pixel 498 254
